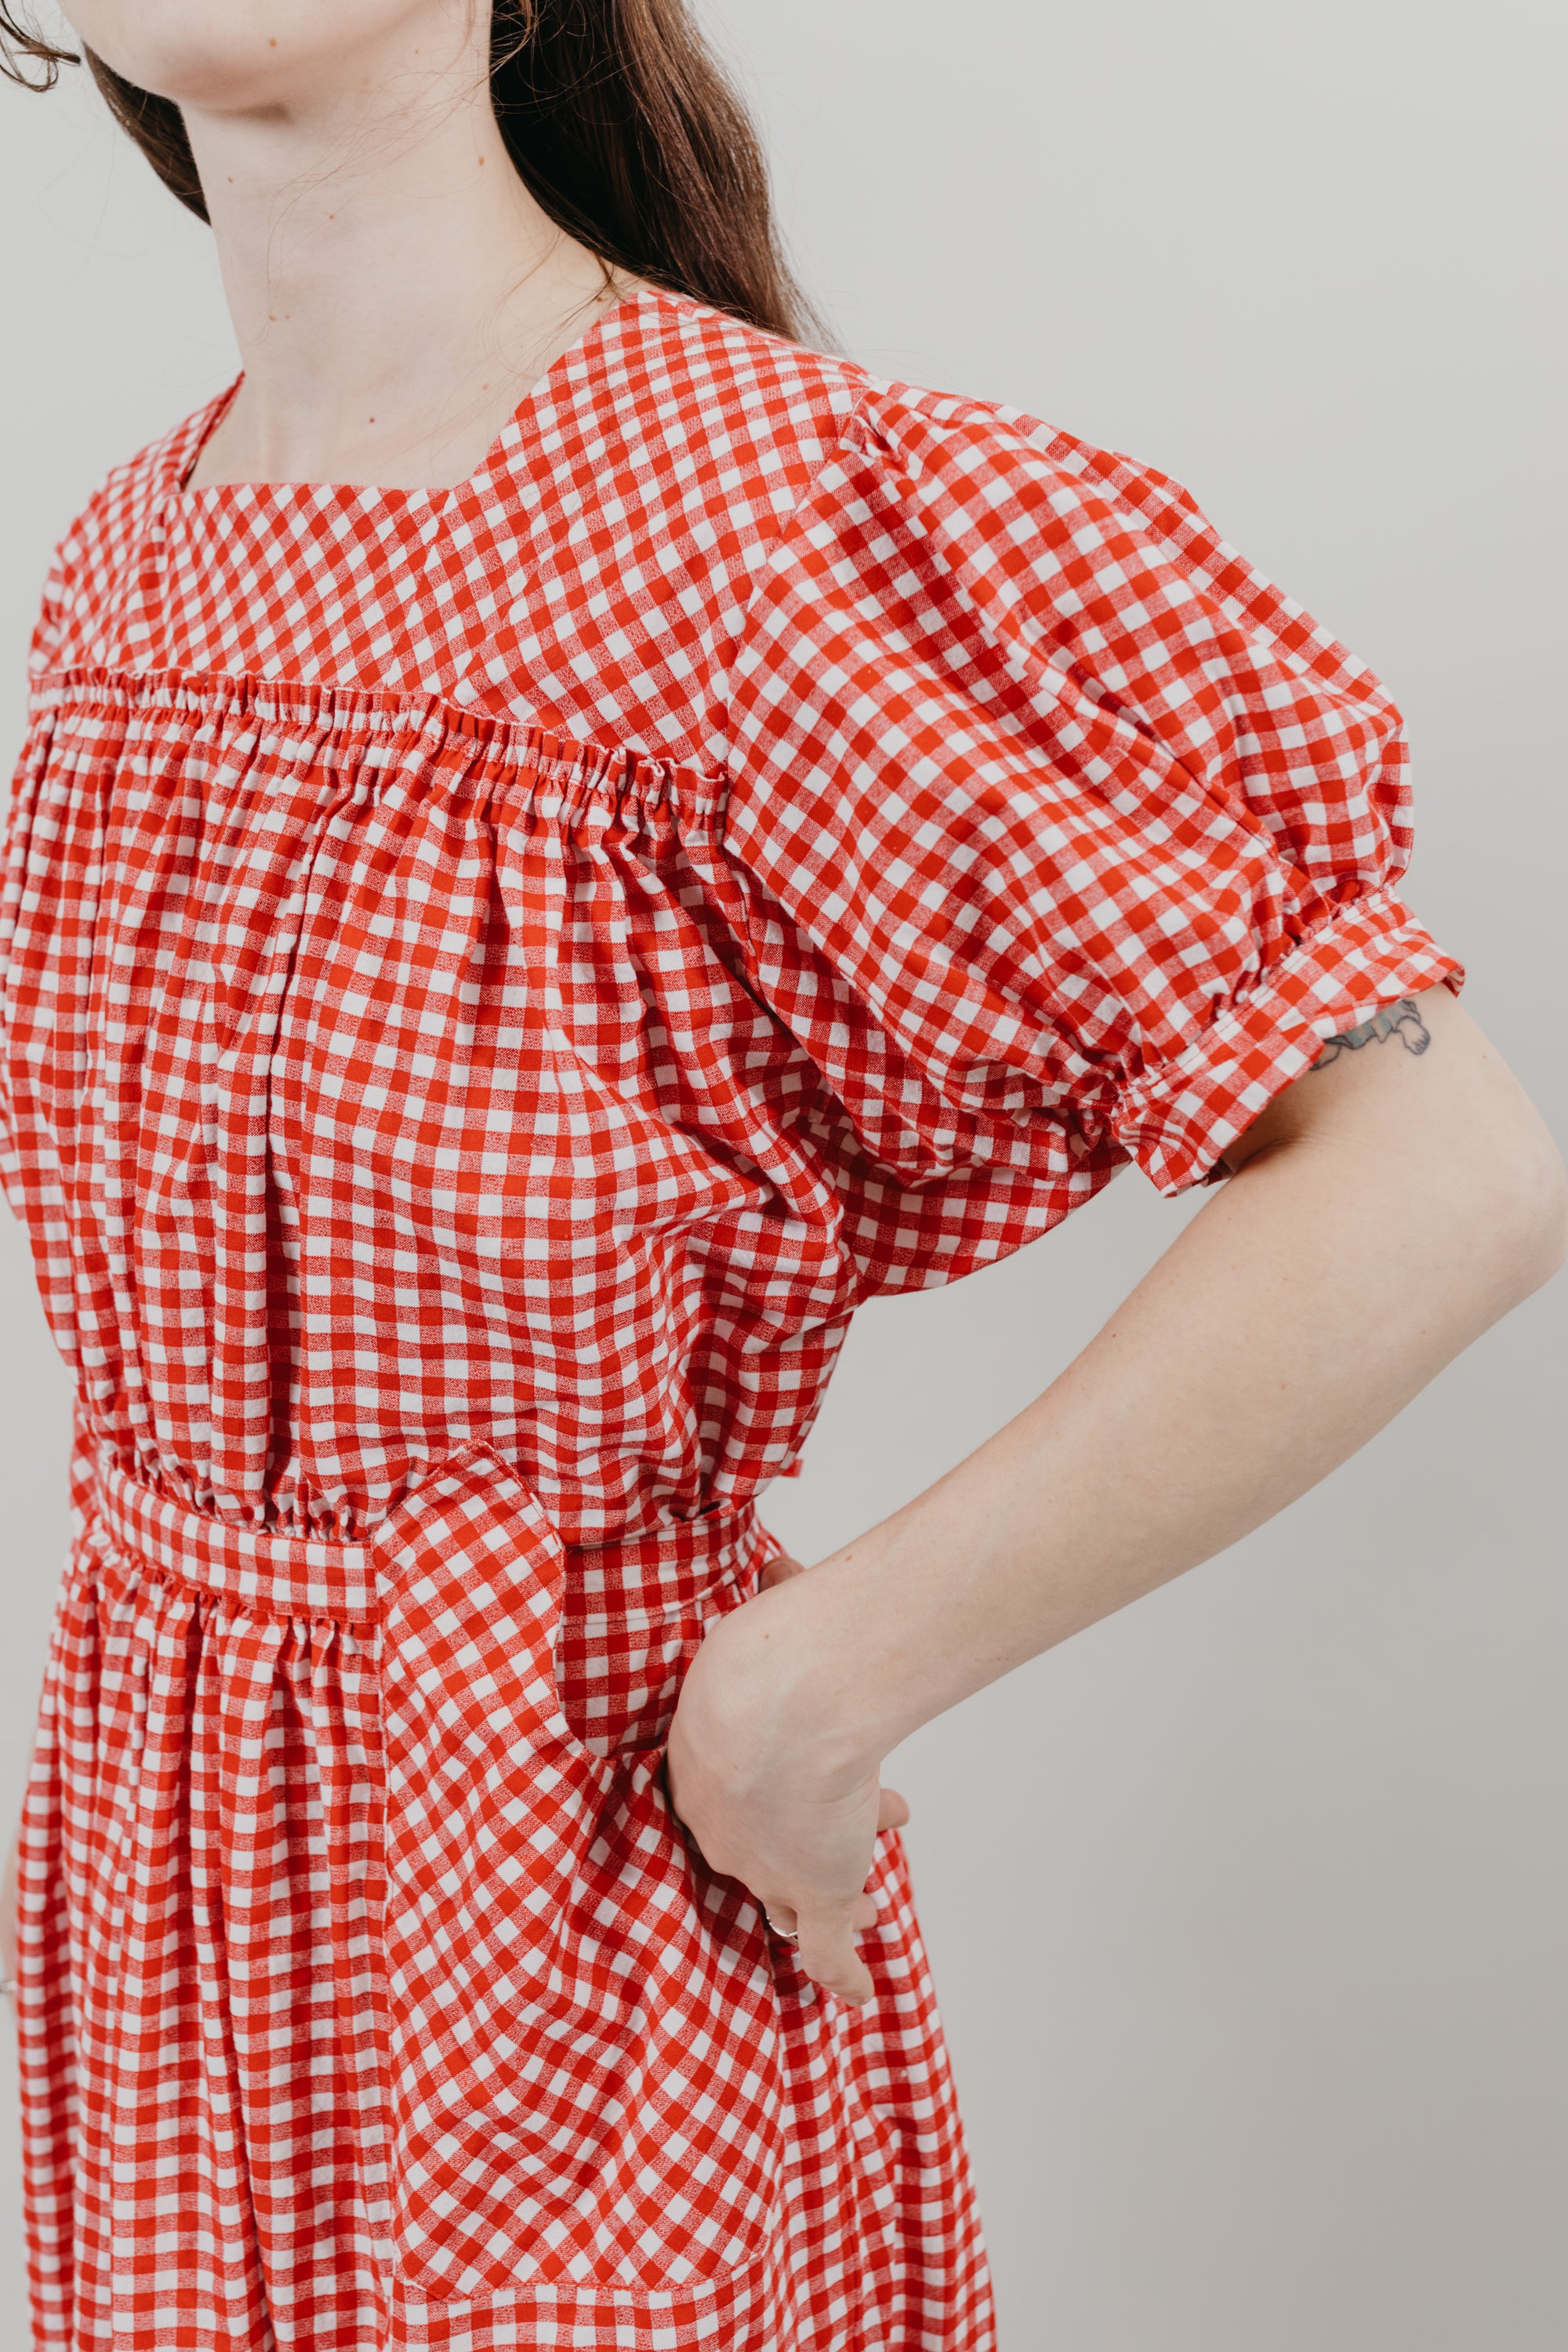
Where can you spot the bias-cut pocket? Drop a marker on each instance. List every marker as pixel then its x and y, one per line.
pixel 587 2079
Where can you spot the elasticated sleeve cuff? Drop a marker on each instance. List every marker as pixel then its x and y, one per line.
pixel 1177 1117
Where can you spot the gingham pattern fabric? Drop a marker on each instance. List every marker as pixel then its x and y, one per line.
pixel 492 978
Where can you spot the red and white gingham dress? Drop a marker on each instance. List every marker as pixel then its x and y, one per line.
pixel 492 978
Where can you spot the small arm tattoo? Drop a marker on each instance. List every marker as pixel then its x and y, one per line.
pixel 1401 1020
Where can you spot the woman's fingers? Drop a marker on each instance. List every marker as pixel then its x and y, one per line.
pixel 779 1570
pixel 784 1919
pixel 892 1811
pixel 836 1930
pixel 828 1955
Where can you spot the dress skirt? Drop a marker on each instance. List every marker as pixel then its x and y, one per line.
pixel 371 2000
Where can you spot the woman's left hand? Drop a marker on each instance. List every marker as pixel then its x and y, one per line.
pixel 768 1800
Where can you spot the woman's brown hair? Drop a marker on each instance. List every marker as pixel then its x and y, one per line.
pixel 620 120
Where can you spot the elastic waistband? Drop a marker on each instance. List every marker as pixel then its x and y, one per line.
pixel 648 1574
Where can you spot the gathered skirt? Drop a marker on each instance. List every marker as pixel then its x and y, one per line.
pixel 371 1997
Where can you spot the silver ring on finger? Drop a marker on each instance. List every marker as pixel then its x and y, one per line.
pixel 782 1934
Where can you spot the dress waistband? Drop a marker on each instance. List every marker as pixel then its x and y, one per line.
pixel 474 1497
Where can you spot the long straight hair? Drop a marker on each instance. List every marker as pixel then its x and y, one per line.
pixel 619 118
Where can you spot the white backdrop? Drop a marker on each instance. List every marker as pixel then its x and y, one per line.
pixel 1248 1908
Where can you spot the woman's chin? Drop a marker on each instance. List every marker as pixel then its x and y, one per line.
pixel 251 56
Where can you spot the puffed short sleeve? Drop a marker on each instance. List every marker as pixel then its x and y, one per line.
pixel 1076 821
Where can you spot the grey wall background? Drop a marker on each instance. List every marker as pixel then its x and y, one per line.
pixel 1248 1908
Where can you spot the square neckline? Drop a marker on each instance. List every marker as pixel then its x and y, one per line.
pixel 186 455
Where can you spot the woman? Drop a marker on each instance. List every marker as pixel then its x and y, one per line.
pixel 498 964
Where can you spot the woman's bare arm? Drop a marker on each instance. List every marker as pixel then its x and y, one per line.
pixel 1385 1209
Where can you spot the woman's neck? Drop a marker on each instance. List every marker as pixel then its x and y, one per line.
pixel 394 287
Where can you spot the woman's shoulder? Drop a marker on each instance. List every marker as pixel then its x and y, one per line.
pixel 711 416
pixel 709 381
pixel 782 431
